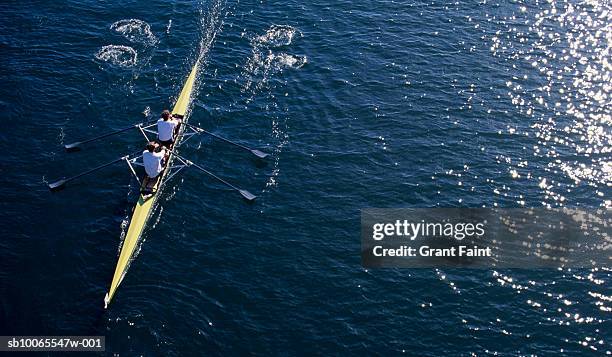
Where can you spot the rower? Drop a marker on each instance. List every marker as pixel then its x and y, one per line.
pixel 153 159
pixel 166 128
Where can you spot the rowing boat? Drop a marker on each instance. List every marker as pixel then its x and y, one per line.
pixel 150 189
pixel 146 202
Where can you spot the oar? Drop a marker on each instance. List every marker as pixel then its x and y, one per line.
pixel 75 146
pixel 57 185
pixel 246 194
pixel 255 152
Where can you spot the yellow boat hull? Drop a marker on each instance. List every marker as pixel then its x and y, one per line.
pixel 144 207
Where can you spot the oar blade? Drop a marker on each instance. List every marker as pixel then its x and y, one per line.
pixel 247 195
pixel 73 147
pixel 57 185
pixel 259 154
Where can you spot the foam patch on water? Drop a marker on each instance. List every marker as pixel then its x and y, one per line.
pixel 122 56
pixel 276 36
pixel 135 31
pixel 285 60
pixel 265 61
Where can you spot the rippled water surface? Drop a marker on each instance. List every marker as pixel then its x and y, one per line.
pixel 360 104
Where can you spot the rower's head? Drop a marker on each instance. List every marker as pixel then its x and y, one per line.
pixel 151 146
pixel 165 114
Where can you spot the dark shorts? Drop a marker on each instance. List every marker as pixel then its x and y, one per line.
pixel 167 143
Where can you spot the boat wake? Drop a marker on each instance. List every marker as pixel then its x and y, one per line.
pixel 211 23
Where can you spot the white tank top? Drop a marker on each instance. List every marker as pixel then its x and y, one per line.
pixel 165 129
pixel 152 162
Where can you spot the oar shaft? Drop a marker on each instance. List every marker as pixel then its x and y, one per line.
pixel 259 154
pixel 191 163
pixel 215 176
pixel 226 140
pixel 217 136
pixel 94 169
pixel 133 126
pixel 62 182
pixel 109 134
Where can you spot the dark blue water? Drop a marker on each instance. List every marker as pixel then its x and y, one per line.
pixel 361 104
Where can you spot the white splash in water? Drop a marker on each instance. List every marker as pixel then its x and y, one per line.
pixel 261 66
pixel 285 60
pixel 276 36
pixel 135 31
pixel 123 56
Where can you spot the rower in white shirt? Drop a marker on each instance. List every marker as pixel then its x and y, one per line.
pixel 166 127
pixel 153 159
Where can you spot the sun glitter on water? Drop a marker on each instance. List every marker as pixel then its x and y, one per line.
pixel 562 84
